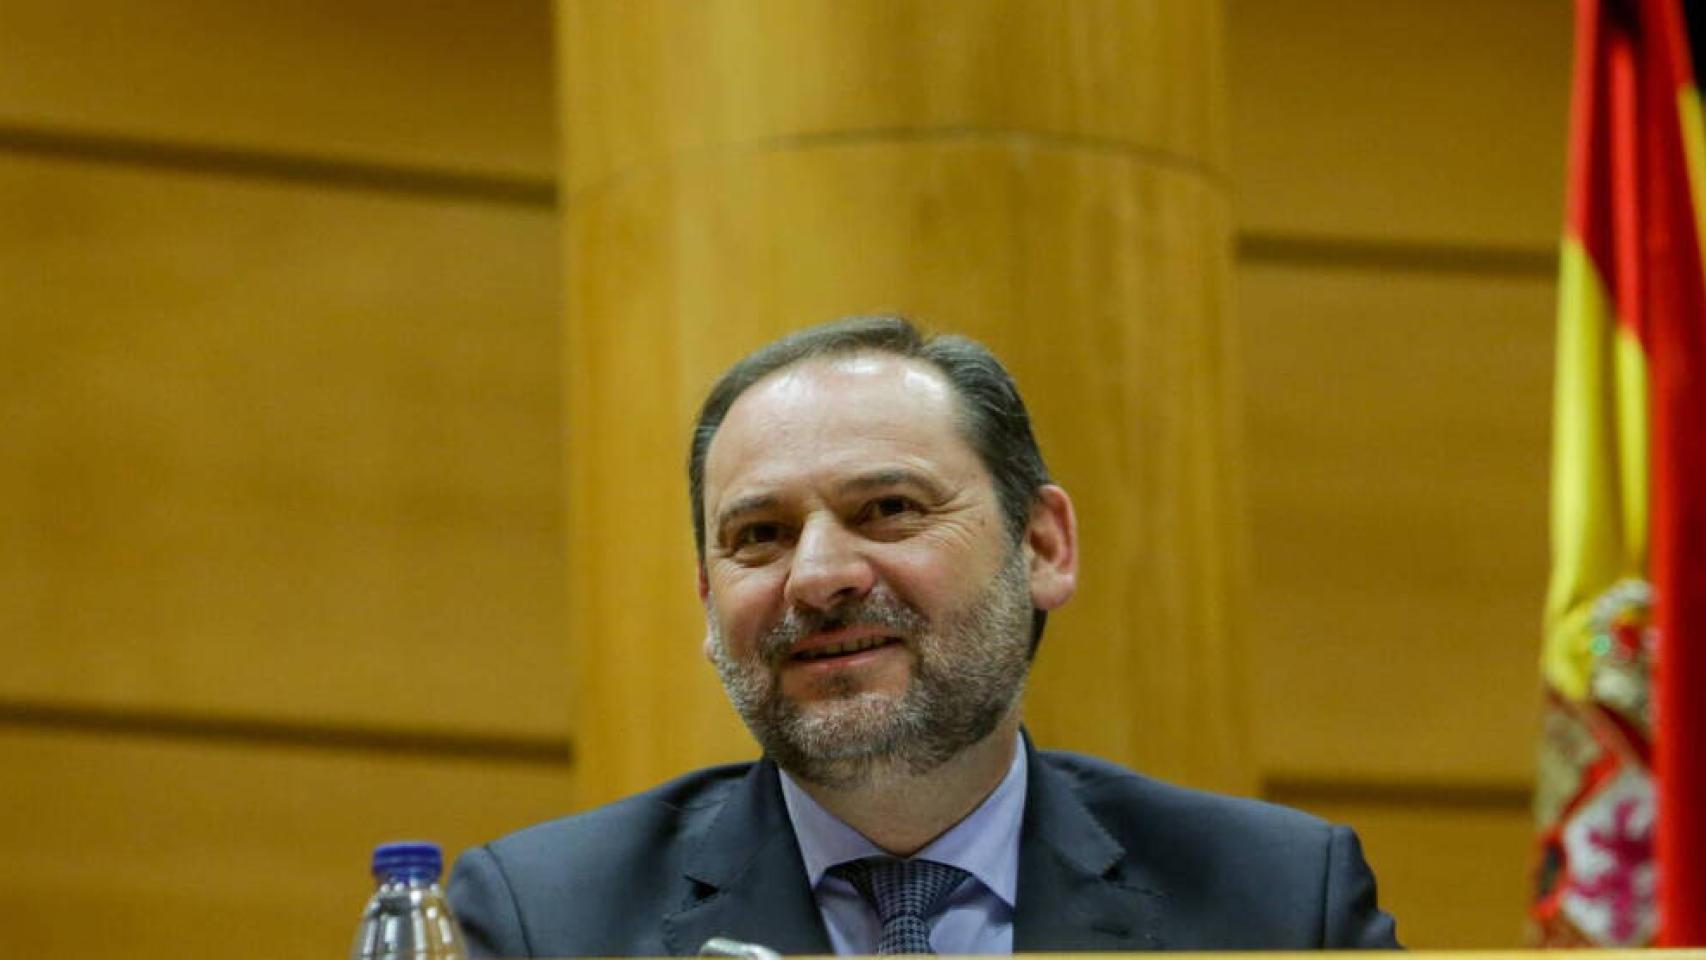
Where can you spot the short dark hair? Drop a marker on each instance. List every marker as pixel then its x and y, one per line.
pixel 993 418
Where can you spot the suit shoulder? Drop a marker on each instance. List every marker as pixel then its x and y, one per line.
pixel 1138 802
pixel 1236 874
pixel 582 885
pixel 640 821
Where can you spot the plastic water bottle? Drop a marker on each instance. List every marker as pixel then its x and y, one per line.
pixel 408 917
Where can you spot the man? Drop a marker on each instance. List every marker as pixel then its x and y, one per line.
pixel 879 545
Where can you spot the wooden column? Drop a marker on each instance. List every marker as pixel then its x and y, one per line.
pixel 1044 176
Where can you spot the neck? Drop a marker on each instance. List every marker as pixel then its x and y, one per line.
pixel 902 812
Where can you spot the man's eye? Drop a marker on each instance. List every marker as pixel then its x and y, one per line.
pixel 754 534
pixel 889 507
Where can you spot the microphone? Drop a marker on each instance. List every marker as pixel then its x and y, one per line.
pixel 725 947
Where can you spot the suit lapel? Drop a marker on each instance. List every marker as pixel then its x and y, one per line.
pixel 1073 895
pixel 749 881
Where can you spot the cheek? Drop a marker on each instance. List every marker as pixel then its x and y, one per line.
pixel 744 605
pixel 935 580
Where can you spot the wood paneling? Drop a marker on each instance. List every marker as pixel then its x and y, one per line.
pixel 1454 876
pixel 464 84
pixel 1398 175
pixel 151 848
pixel 1066 233
pixel 1398 433
pixel 653 79
pixel 280 451
pixel 1435 120
pixel 281 572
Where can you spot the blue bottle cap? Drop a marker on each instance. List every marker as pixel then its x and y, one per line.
pixel 408 860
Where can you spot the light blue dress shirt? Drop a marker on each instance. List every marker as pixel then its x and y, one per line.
pixel 979 915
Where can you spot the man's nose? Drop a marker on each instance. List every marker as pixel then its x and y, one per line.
pixel 829 566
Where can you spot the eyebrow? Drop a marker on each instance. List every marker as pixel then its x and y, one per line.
pixel 895 477
pixel 751 504
pixel 875 480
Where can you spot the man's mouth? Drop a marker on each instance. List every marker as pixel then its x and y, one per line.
pixel 845 648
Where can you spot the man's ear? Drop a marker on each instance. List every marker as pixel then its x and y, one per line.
pixel 1051 543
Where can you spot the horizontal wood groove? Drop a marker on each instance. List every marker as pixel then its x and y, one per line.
pixel 1053 140
pixel 1462 795
pixel 285 168
pixel 1175 163
pixel 1400 256
pixel 261 732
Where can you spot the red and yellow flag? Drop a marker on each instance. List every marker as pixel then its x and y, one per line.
pixel 1621 800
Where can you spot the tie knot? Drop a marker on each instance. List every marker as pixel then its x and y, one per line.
pixel 904 893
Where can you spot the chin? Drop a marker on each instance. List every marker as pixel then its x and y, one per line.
pixel 848 719
pixel 826 694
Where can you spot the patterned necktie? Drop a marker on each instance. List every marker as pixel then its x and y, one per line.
pixel 904 893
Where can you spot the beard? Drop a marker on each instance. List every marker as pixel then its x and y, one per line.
pixel 968 673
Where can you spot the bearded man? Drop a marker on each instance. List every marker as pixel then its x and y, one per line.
pixel 879 545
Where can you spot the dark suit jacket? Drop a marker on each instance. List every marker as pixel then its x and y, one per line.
pixel 1108 860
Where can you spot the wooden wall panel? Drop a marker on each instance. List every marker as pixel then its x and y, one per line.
pixel 796 73
pixel 143 847
pixel 1454 874
pixel 282 547
pixel 1397 175
pixel 273 450
pixel 1433 120
pixel 1398 437
pixel 464 84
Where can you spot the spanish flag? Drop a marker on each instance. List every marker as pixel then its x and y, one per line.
pixel 1621 795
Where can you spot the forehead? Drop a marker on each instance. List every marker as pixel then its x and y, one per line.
pixel 837 415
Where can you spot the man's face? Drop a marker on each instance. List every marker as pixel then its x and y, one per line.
pixel 865 602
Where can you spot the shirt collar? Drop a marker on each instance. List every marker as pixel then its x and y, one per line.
pixel 985 844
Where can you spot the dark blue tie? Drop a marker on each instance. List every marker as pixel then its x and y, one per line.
pixel 904 893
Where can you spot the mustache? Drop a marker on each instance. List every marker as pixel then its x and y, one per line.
pixel 882 610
